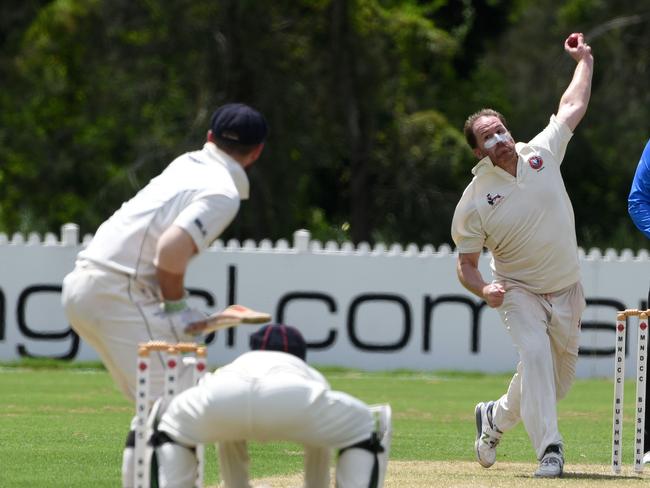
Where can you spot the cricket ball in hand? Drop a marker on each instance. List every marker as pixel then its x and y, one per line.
pixel 573 40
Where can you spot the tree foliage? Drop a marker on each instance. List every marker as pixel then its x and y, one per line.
pixel 365 100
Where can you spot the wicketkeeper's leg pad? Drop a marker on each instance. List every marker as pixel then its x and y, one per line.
pixel 176 465
pixel 128 460
pixel 363 465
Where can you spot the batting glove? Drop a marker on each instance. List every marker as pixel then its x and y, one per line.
pixel 180 315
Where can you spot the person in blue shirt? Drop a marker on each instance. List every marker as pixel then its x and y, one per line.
pixel 638 206
pixel 639 199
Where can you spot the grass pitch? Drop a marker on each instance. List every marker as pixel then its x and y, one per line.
pixel 65 426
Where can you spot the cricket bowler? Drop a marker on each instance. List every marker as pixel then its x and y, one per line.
pixel 517 207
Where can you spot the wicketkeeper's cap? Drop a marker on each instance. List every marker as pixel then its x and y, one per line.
pixel 239 123
pixel 279 337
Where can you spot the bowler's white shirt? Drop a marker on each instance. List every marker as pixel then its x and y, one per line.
pixel 526 221
pixel 199 191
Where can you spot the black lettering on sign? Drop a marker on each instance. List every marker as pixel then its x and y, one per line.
pixel 3 318
pixel 232 299
pixel 21 309
pixel 608 326
pixel 379 297
pixel 322 297
pixel 475 306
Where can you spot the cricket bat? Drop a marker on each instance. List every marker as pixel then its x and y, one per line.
pixel 229 317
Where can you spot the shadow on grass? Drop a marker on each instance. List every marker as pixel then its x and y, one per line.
pixel 601 476
pixel 591 476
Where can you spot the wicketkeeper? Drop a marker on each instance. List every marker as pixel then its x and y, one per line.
pixel 127 286
pixel 271 394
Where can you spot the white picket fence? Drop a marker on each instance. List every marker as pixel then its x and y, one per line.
pixel 302 243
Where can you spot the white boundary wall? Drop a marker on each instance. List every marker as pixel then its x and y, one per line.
pixel 378 308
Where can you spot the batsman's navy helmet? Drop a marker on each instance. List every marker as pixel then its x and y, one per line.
pixel 239 123
pixel 279 337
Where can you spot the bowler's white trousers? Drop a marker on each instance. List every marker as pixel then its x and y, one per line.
pixel 545 329
pixel 113 313
pixel 238 404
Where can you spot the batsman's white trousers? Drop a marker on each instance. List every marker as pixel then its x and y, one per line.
pixel 230 408
pixel 113 313
pixel 545 329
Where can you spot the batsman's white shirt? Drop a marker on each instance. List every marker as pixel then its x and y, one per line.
pixel 199 191
pixel 112 298
pixel 526 221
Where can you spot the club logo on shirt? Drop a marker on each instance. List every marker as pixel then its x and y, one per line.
pixel 199 224
pixel 493 200
pixel 536 162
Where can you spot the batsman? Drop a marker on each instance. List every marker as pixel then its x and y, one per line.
pixel 517 207
pixel 127 286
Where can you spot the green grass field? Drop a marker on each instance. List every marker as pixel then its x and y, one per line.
pixel 65 425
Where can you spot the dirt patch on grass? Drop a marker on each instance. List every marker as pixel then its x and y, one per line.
pixel 462 474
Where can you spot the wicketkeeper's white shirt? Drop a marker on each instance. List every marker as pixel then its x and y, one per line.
pixel 526 221
pixel 267 395
pixel 199 191
pixel 264 396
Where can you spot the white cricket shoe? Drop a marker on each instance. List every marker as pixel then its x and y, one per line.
pixel 487 435
pixel 552 464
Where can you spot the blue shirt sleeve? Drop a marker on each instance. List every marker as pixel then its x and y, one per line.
pixel 638 203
